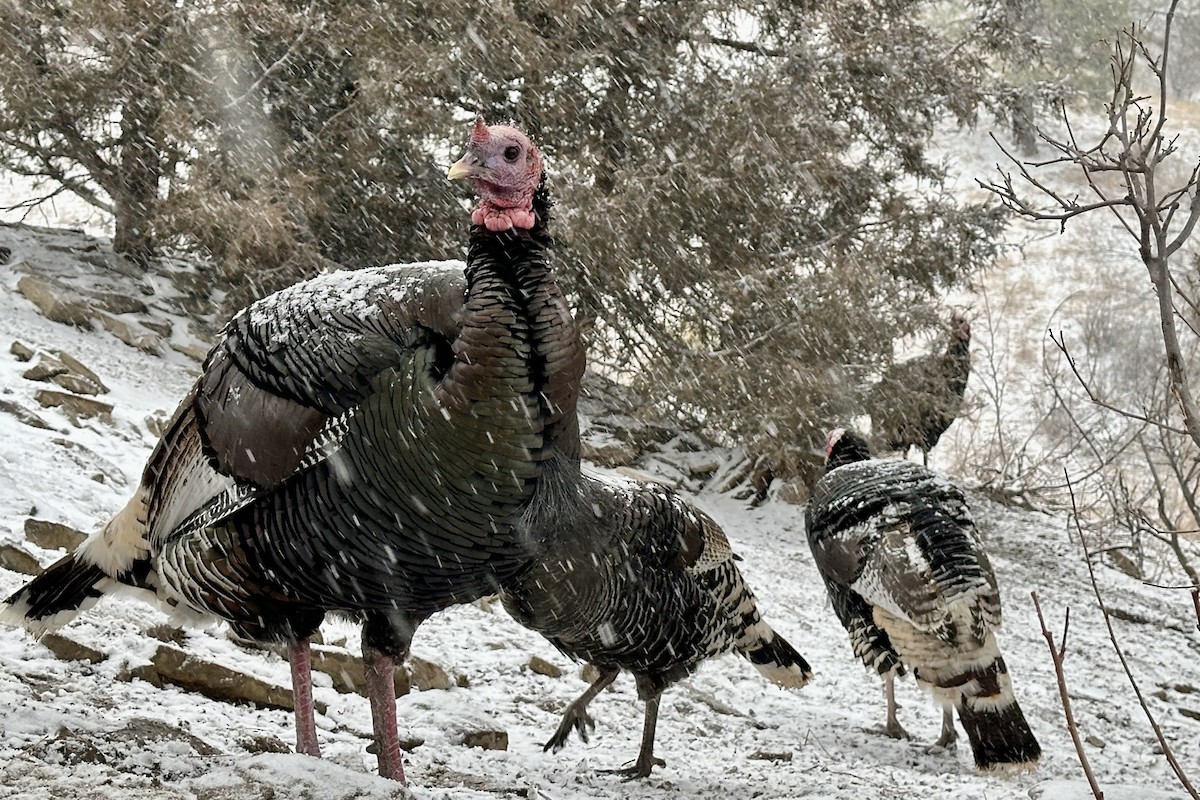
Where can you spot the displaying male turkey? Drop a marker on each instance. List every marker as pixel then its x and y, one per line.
pixel 635 578
pixel 917 400
pixel 909 579
pixel 367 442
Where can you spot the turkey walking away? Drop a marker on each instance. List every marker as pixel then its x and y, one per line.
pixel 368 443
pixel 633 577
pixel 909 579
pixel 916 401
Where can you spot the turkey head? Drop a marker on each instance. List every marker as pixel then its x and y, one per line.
pixel 506 169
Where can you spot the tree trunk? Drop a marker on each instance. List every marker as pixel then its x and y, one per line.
pixel 1024 127
pixel 139 164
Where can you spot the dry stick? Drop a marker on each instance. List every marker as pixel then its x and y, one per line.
pixel 1180 775
pixel 1057 655
pixel 1196 603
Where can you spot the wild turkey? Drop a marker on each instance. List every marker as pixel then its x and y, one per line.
pixel 917 400
pixel 635 578
pixel 367 443
pixel 910 581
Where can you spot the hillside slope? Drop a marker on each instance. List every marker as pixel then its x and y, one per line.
pixel 78 729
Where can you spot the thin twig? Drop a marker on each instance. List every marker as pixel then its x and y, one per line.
pixel 1060 342
pixel 1168 754
pixel 1057 656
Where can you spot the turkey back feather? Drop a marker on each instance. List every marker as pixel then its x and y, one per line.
pixel 640 580
pixel 910 581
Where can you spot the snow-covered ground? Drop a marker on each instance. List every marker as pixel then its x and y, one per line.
pixel 76 730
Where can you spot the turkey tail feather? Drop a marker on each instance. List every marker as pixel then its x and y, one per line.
pixel 999 733
pixel 778 661
pixel 55 597
pixel 992 719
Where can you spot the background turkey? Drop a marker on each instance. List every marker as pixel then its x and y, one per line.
pixel 635 578
pixel 917 400
pixel 909 579
pixel 364 442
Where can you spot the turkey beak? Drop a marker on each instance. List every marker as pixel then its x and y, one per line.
pixel 468 166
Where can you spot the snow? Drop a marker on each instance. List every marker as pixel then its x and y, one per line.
pixel 76 730
pixel 73 730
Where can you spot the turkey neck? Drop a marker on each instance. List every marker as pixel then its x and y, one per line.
pixel 515 265
pixel 958 364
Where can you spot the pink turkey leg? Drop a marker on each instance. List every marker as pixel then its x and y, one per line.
pixel 300 656
pixel 381 690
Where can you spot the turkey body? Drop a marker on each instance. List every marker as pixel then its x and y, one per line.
pixel 910 581
pixel 637 579
pixel 368 443
pixel 917 400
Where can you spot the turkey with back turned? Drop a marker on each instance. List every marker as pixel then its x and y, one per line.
pixel 916 400
pixel 632 577
pixel 370 443
pixel 909 579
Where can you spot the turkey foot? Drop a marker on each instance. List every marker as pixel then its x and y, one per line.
pixel 892 727
pixel 576 716
pixel 895 730
pixel 645 760
pixel 639 769
pixel 949 735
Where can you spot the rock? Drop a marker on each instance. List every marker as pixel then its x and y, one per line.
pixel 263 743
pixel 67 372
pixel 24 415
pixel 142 672
pixel 543 667
pixel 1126 564
pixel 70 650
pixel 608 452
pixel 44 369
pixel 212 680
pixel 53 535
pixel 487 739
pixel 160 326
pixel 115 303
pixel 408 743
pixel 105 470
pixel 764 755
pixel 74 406
pixel 170 634
pixel 56 301
pixel 346 670
pixel 427 675
pixel 193 351
pixel 73 375
pixel 794 491
pixel 16 559
pixel 22 352
pixel 589 673
pixel 156 423
pixel 1095 741
pixel 132 335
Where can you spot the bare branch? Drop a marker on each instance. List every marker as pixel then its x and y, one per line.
pixel 1180 775
pixel 1057 656
pixel 1060 342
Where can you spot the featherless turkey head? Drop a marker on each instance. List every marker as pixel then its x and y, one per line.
pixel 960 328
pixel 843 447
pixel 506 169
